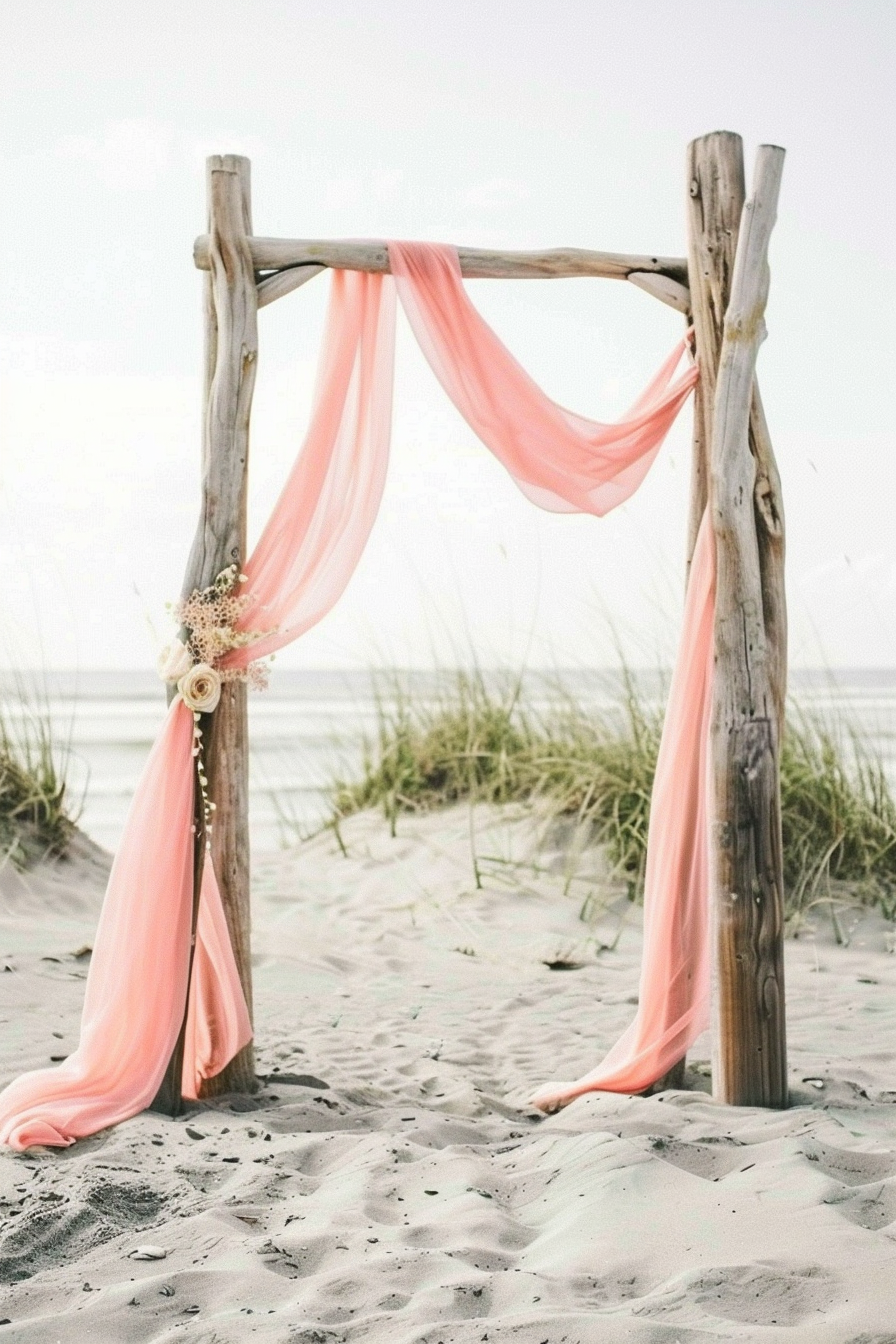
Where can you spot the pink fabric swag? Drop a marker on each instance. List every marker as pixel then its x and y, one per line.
pixel 137 983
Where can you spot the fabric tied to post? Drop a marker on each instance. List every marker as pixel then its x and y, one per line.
pixel 137 984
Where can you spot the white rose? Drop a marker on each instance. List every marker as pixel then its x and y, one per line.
pixel 174 661
pixel 200 688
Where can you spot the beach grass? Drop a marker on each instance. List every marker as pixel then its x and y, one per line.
pixel 37 817
pixel 838 817
pixel 478 738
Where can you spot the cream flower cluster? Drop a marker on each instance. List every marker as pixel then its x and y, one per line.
pixel 209 617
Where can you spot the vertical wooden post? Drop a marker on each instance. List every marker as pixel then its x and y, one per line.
pixel 716 195
pixel 750 1066
pixel 715 200
pixel 231 347
pixel 220 541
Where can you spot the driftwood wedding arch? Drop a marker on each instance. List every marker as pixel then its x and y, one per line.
pixel 721 287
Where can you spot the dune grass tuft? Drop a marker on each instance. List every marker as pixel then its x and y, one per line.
pixel 838 817
pixel 36 819
pixel 476 739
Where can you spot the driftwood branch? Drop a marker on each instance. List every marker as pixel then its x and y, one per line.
pixel 274 254
pixel 275 284
pixel 278 254
pixel 750 1066
pixel 284 282
pixel 663 288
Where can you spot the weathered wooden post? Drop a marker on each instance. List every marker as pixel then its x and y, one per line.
pixel 750 1064
pixel 750 1060
pixel 715 200
pixel 231 348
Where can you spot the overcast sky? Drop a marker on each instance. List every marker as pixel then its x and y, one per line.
pixel 524 124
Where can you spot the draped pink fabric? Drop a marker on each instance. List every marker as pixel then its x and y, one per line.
pixel 217 1018
pixel 560 460
pixel 134 1001
pixel 673 1001
pixel 137 982
pixel 567 463
pixel 319 527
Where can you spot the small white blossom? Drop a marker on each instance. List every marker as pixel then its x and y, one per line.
pixel 174 661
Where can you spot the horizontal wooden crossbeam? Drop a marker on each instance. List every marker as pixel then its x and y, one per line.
pixel 274 254
pixel 276 258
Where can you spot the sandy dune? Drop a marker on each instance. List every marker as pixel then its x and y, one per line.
pixel 388 1182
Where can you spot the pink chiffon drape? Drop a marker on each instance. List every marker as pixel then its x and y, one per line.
pixel 564 462
pixel 319 527
pixel 134 1000
pixel 218 1022
pixel 137 981
pixel 673 999
pixel 560 460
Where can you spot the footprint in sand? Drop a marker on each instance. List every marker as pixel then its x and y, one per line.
pixel 762 1294
pixel 869 1196
pixel 100 1212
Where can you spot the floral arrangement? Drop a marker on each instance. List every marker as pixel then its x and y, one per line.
pixel 209 617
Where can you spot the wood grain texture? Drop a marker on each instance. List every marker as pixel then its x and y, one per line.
pixel 220 536
pixel 750 1066
pixel 715 199
pixel 274 254
pixel 231 349
pixel 769 510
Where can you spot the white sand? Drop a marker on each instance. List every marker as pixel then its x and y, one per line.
pixel 387 1183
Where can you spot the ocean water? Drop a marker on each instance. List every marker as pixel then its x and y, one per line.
pixel 310 725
